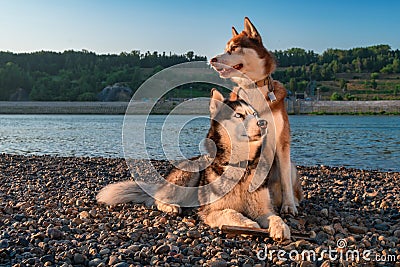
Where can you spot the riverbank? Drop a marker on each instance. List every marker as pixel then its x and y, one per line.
pixel 197 106
pixel 50 217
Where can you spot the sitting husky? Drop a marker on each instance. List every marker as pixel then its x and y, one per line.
pixel 221 187
pixel 250 65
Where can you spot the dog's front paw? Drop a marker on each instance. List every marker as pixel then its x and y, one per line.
pixel 278 229
pixel 289 208
pixel 169 208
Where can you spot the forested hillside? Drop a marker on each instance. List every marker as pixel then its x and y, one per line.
pixel 364 73
pixel 360 73
pixel 79 76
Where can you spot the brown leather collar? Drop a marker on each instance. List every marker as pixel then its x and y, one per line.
pixel 266 81
pixel 259 84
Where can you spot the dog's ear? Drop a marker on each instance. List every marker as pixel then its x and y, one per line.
pixel 234 32
pixel 216 101
pixel 233 96
pixel 251 30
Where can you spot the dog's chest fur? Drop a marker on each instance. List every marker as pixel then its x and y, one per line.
pixel 238 198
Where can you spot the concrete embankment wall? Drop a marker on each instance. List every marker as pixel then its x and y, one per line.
pixel 193 107
pixel 63 107
pixel 188 107
pixel 343 107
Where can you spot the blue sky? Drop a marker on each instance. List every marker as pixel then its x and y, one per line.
pixel 202 26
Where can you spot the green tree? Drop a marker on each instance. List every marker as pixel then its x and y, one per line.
pixel 349 97
pixel 315 71
pixel 335 66
pixel 292 84
pixel 396 90
pixel 87 96
pixel 374 75
pixel 336 97
pixel 13 77
pixel 387 69
pixel 343 84
pixel 190 55
pixel 396 65
pixel 374 84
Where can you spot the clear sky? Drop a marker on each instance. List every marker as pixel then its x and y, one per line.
pixel 203 26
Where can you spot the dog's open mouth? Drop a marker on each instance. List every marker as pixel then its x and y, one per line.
pixel 238 66
pixel 224 71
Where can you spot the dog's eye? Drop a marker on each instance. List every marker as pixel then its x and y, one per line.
pixel 234 48
pixel 238 115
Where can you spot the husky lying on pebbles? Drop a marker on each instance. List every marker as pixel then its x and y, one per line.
pixel 221 187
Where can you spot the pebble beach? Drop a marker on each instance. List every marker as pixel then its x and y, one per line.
pixel 50 217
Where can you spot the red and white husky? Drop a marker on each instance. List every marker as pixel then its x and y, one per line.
pixel 249 64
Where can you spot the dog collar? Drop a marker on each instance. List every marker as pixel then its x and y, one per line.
pixel 269 82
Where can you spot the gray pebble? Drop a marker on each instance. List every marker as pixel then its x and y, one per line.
pixel 397 233
pixel 79 258
pixel 325 212
pixel 47 258
pixel 162 249
pixel 357 229
pixel 382 226
pixel 95 262
pixel 19 217
pixel 54 233
pixel 4 243
pixel 218 263
pixel 121 264
pixel 193 234
pixel 105 251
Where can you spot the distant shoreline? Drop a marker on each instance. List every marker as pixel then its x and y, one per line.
pixel 386 107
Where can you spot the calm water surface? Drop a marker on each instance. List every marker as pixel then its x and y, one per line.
pixel 366 142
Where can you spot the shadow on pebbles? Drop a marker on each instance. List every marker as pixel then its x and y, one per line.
pixel 49 217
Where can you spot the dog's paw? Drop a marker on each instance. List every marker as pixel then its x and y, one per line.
pixel 169 208
pixel 289 208
pixel 278 229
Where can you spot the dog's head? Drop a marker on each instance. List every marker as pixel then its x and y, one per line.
pixel 234 128
pixel 244 56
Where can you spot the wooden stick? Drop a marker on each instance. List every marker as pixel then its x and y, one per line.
pixel 240 230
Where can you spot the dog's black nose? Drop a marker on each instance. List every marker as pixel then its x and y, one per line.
pixel 262 123
pixel 214 59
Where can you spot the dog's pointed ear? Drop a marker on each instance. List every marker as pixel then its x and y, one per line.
pixel 234 32
pixel 233 96
pixel 216 101
pixel 251 30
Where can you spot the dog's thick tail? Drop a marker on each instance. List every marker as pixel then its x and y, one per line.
pixel 129 191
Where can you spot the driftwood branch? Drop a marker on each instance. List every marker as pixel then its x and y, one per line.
pixel 239 230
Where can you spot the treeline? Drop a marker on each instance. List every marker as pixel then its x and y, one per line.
pixel 81 75
pixel 78 75
pixel 304 66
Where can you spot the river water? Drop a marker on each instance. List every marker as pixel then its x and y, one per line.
pixel 364 142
